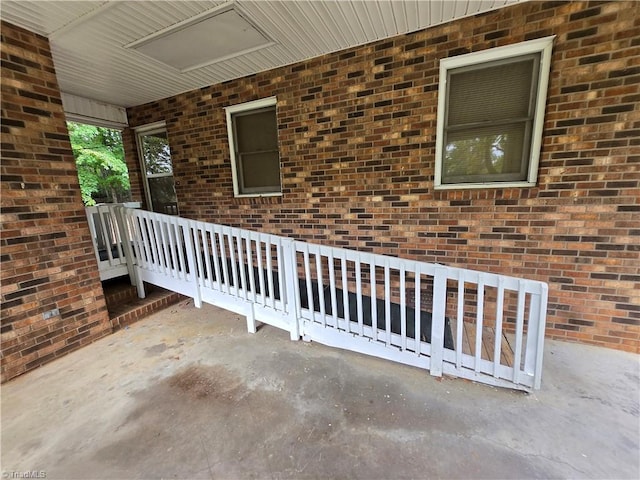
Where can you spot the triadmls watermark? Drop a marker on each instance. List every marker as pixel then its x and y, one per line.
pixel 24 474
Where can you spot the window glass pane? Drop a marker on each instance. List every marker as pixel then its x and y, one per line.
pixel 261 170
pixel 163 195
pixel 490 93
pixel 486 154
pixel 256 131
pixel 157 156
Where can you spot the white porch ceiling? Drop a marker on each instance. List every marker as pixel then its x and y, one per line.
pixel 89 38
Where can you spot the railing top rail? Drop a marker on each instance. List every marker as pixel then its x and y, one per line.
pixel 454 273
pixel 489 279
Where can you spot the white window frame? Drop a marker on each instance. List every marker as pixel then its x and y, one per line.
pixel 230 111
pixel 150 129
pixel 542 46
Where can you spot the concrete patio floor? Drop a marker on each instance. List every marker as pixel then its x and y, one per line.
pixel 188 393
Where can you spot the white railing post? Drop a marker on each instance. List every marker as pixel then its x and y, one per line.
pixel 89 212
pixel 188 230
pixel 542 320
pixel 139 247
pixel 103 232
pixel 439 305
pixel 125 238
pixel 290 280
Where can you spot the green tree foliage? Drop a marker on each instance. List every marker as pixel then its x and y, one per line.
pixel 157 155
pixel 480 155
pixel 99 156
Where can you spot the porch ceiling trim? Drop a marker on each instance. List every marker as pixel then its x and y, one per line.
pixel 86 110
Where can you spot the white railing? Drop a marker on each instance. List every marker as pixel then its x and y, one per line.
pixel 108 238
pixel 476 325
pixel 470 324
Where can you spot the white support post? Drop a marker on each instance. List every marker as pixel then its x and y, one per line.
pixel 290 281
pixel 251 318
pixel 123 228
pixel 533 319
pixel 140 251
pixel 191 261
pixel 437 320
pixel 542 321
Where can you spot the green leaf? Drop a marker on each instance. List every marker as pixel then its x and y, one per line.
pixel 102 170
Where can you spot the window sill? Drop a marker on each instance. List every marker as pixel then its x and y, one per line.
pixel 257 195
pixel 467 186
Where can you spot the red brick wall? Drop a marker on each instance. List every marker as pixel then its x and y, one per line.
pixel 135 174
pixel 47 255
pixel 357 145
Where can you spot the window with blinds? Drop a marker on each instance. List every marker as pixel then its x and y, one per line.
pixel 253 142
pixel 490 116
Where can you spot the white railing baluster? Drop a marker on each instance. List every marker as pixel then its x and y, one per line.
pixel 234 265
pixel 497 346
pixel 263 291
pixel 535 323
pixel 146 242
pixel 418 307
pixel 345 290
pixel 104 227
pixel 291 290
pixel 180 241
pixel 106 233
pixel 188 258
pixel 268 254
pixel 332 289
pixel 460 319
pixel 517 356
pixel 101 233
pixel 439 304
pixel 290 255
pixel 532 324
pixel 479 322
pixel 161 261
pixel 282 287
pixel 207 241
pixel 123 233
pixel 387 304
pixel 90 212
pixel 307 279
pixel 200 273
pixel 323 317
pixel 166 243
pixel 155 258
pixel 136 238
pixel 403 307
pixel 187 263
pixel 539 332
pixel 169 242
pixel 119 233
pixel 250 271
pixel 374 300
pixel 359 297
pixel 225 281
pixel 241 265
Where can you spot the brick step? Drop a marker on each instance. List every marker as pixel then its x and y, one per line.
pixel 128 312
pixel 117 292
pixel 125 307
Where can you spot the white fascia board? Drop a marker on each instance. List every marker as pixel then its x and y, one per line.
pixel 93 112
